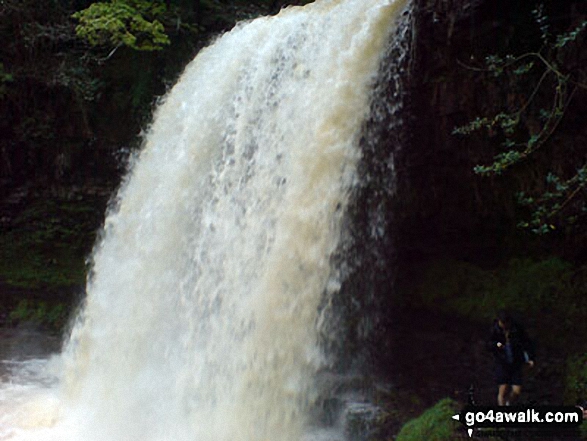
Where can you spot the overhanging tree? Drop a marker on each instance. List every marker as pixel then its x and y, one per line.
pixel 545 83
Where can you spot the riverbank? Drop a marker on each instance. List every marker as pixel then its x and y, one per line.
pixel 437 356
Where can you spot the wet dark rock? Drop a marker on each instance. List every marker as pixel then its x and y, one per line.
pixel 27 341
pixel 361 420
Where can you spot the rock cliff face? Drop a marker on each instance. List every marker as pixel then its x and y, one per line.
pixel 420 200
pixel 439 197
pixel 443 208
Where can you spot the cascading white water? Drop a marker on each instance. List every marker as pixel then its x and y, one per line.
pixel 204 306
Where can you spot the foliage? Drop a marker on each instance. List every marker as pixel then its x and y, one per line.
pixel 41 313
pixel 47 245
pixel 146 25
pixel 46 86
pixel 550 289
pixel 561 194
pixel 79 78
pixel 68 102
pixel 542 85
pixel 435 424
pixel 132 23
pixel 67 112
pixel 473 292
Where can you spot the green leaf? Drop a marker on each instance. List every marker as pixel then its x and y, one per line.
pixel 563 39
pixel 130 23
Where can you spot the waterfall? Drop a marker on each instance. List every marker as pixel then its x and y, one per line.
pixel 211 281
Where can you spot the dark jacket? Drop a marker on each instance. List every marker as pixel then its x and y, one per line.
pixel 521 346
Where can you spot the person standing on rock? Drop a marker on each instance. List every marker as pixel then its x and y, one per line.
pixel 512 349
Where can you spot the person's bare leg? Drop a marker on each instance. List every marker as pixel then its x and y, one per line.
pixel 515 394
pixel 501 394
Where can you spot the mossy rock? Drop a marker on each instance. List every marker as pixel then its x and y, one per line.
pixel 361 420
pixel 435 424
pixel 47 243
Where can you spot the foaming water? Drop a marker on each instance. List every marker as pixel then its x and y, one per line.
pixel 205 304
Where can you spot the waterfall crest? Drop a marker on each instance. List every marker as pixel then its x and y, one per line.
pixel 204 306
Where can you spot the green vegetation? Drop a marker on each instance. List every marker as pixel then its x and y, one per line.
pixel 132 23
pixel 43 259
pixel 542 86
pixel 471 291
pixel 91 71
pixel 48 244
pixel 39 312
pixel 78 80
pixel 550 289
pixel 435 424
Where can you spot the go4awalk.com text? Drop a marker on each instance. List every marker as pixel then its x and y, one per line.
pixel 535 419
